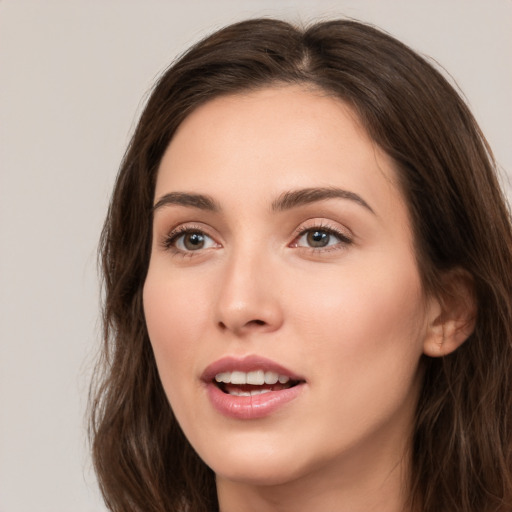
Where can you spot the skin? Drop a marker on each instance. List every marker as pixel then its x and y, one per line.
pixel 351 318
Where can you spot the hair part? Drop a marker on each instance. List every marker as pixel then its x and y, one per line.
pixel 461 458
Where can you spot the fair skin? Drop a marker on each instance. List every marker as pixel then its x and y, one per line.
pixel 328 288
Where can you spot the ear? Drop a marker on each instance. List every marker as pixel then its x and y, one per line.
pixel 452 314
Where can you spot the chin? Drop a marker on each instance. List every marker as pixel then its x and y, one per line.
pixel 255 462
pixel 258 474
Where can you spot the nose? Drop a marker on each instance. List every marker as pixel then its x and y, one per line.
pixel 248 299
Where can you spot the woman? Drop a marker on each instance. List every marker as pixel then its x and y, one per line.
pixel 308 279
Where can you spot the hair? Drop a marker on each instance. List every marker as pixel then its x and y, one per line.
pixel 462 444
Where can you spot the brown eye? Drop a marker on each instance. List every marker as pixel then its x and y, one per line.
pixel 321 237
pixel 189 241
pixel 193 241
pixel 317 238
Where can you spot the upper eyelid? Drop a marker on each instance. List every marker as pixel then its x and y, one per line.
pixel 324 224
pixel 171 235
pixel 318 223
pixel 183 227
pixel 332 232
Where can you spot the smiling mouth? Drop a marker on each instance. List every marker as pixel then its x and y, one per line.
pixel 258 382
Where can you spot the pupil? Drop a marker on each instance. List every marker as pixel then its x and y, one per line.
pixel 318 238
pixel 194 241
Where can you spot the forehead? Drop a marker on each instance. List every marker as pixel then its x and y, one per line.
pixel 275 139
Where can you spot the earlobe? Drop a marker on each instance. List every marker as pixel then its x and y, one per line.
pixel 452 314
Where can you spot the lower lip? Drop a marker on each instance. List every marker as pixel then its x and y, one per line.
pixel 251 407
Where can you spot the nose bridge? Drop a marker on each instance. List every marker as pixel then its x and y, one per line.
pixel 248 298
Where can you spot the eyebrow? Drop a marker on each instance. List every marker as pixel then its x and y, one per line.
pixel 200 201
pixel 292 199
pixel 285 201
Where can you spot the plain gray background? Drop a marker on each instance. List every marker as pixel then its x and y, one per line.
pixel 73 75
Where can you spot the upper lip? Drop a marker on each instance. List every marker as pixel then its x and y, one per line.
pixel 246 364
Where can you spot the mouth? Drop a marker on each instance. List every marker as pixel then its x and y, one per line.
pixel 250 387
pixel 255 382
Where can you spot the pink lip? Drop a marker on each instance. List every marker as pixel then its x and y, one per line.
pixel 248 407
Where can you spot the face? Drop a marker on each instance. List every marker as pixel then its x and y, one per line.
pixel 283 299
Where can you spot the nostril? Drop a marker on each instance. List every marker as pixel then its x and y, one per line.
pixel 242 326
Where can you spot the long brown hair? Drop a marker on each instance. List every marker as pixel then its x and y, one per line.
pixel 461 460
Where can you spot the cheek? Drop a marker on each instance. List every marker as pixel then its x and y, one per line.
pixel 365 326
pixel 176 313
pixel 361 336
pixel 368 294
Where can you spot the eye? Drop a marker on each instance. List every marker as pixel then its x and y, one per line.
pixel 316 238
pixel 189 240
pixel 321 238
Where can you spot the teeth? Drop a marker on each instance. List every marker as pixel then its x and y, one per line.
pixel 223 377
pixel 271 377
pixel 236 392
pixel 256 378
pixel 240 393
pixel 260 392
pixel 238 378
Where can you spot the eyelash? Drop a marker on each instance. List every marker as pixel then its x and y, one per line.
pixel 343 239
pixel 169 243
